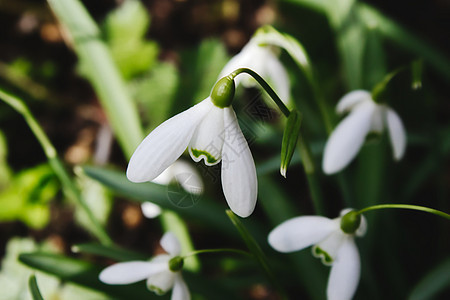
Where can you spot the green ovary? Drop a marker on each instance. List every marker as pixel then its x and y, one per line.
pixel 209 158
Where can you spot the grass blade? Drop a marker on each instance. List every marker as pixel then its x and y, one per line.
pixel 34 289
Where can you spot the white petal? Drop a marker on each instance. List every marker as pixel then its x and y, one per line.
pixel 277 74
pixel 345 272
pixel 347 138
pixel 132 271
pixel 162 282
pixel 150 210
pixel 240 60
pixel 349 100
pixel 362 229
pixel 239 182
pixel 180 289
pixel 300 232
pixel 328 248
pixel 165 144
pixel 171 244
pixel 165 177
pixel 185 174
pixel 397 133
pixel 207 142
pixel 377 122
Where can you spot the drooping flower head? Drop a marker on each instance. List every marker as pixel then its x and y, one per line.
pixel 332 241
pixel 364 116
pixel 163 272
pixel 211 132
pixel 262 58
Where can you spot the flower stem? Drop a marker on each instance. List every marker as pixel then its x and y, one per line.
pixel 197 252
pixel 406 206
pixel 256 251
pixel 311 174
pixel 266 87
pixel 303 145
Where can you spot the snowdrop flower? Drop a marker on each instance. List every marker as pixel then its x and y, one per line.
pixel 365 116
pixel 263 60
pixel 181 172
pixel 332 241
pixel 211 132
pixel 163 272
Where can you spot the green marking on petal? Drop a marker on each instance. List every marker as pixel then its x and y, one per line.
pixel 156 290
pixel 373 137
pixel 323 255
pixel 209 158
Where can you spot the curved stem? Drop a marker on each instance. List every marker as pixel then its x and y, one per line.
pixel 197 252
pixel 266 87
pixel 303 146
pixel 406 206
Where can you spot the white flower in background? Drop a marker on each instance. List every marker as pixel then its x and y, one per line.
pixel 210 131
pixel 181 172
pixel 365 116
pixel 330 243
pixel 160 276
pixel 262 59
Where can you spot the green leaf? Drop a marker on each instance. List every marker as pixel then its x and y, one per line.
pixel 82 273
pixel 5 171
pixel 125 30
pixel 113 252
pixel 101 71
pixel 255 249
pixel 69 188
pixel 417 70
pixel 397 34
pixel 155 92
pixel 374 61
pixel 351 42
pixel 28 195
pixel 204 210
pixel 290 137
pixel 34 289
pixel 129 21
pixel 433 284
pixel 202 66
pixel 98 200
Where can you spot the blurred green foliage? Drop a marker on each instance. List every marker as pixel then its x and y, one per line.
pixel 27 196
pixel 348 45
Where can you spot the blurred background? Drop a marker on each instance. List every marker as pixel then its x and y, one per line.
pixel 169 54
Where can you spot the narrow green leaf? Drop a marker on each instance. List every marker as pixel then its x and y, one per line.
pixel 70 189
pixel 113 252
pixel 82 273
pixel 404 38
pixel 103 74
pixel 290 137
pixel 417 69
pixel 434 283
pixel 255 249
pixel 204 210
pixel 380 87
pixel 34 289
